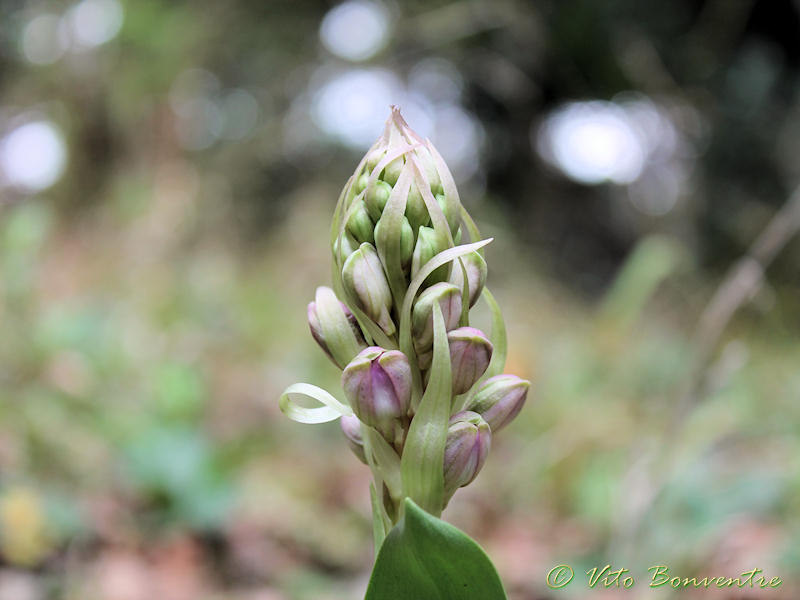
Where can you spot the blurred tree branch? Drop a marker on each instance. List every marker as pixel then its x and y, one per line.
pixel 652 472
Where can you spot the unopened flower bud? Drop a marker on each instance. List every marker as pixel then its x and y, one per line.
pixel 451 212
pixel 345 245
pixel 376 198
pixel 361 183
pixel 359 224
pixel 363 277
pixel 470 353
pixel 374 157
pixel 416 211
pixel 468 442
pixel 406 241
pixel 429 244
pixel 351 427
pixel 499 400
pixel 448 297
pixel 475 266
pixel 377 383
pixel 344 350
pixel 425 359
pixel 430 170
pixel 391 173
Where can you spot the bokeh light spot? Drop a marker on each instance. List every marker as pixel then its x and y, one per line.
pixel 33 156
pixel 355 30
pixel 95 22
pixel 352 106
pixel 592 142
pixel 41 42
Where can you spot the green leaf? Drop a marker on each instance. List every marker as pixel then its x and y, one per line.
pixel 423 455
pixel 424 558
pixel 331 409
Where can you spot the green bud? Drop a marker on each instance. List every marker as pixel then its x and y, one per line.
pixel 376 198
pixel 431 172
pixel 406 241
pixel 347 244
pixel 364 279
pixel 451 212
pixel 360 225
pixel 374 158
pixel 361 183
pixel 416 211
pixel 429 244
pixel 391 172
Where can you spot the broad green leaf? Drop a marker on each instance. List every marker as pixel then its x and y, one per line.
pixel 331 409
pixel 424 558
pixel 423 455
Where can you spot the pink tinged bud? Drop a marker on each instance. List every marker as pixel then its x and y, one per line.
pixel 449 298
pixel 470 353
pixel 342 350
pixel 363 277
pixel 377 383
pixel 476 269
pixel 351 427
pixel 468 442
pixel 500 399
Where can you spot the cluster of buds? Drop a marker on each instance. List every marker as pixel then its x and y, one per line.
pixel 423 387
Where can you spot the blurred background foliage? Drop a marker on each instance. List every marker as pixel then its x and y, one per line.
pixel 168 170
